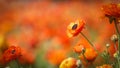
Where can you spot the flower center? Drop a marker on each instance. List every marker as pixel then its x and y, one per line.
pixel 13 51
pixel 74 26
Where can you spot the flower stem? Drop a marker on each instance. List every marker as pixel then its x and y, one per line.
pixel 85 57
pixel 92 65
pixel 115 46
pixel 108 56
pixel 117 30
pixel 88 41
pixel 18 63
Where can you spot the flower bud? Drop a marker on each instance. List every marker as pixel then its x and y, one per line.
pixel 107 45
pixel 114 38
pixel 83 50
pixel 115 55
pixel 79 64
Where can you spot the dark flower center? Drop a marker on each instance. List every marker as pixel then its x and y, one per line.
pixel 74 26
pixel 13 51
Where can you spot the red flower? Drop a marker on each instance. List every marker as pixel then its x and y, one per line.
pixel 74 28
pixel 112 10
pixel 13 52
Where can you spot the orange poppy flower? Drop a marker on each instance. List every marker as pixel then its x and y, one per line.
pixel 74 28
pixel 10 54
pixel 90 54
pixel 112 10
pixel 78 48
pixel 105 66
pixel 69 63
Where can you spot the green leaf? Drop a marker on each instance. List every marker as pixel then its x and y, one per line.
pixel 41 62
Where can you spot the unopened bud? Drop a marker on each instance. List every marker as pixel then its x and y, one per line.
pixel 83 50
pixel 107 45
pixel 114 38
pixel 116 54
pixel 79 64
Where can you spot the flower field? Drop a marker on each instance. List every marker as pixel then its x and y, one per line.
pixel 59 34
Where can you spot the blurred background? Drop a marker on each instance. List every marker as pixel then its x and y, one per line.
pixel 39 27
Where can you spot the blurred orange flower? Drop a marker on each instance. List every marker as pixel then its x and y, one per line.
pixel 78 48
pixel 105 66
pixel 90 54
pixel 13 52
pixel 74 28
pixel 56 56
pixel 112 10
pixel 69 63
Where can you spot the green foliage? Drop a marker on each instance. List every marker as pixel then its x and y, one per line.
pixel 41 61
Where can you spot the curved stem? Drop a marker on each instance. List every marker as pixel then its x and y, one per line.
pixel 85 57
pixel 88 41
pixel 117 30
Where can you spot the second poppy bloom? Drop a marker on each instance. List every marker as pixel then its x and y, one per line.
pixel 90 54
pixel 74 28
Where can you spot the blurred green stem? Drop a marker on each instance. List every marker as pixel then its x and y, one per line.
pixel 108 56
pixel 115 46
pixel 92 65
pixel 18 64
pixel 118 34
pixel 117 30
pixel 85 58
pixel 88 41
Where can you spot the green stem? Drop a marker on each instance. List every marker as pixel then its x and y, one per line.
pixel 108 56
pixel 118 62
pixel 85 57
pixel 119 50
pixel 30 66
pixel 17 63
pixel 92 65
pixel 117 30
pixel 115 46
pixel 88 41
